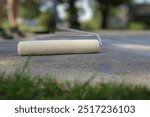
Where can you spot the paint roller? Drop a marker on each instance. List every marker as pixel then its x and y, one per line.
pixel 48 47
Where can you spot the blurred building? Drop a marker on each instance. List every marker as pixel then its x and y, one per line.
pixel 140 12
pixel 119 19
pixel 136 12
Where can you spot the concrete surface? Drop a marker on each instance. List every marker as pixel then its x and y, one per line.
pixel 125 58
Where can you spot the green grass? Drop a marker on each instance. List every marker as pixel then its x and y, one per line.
pixel 24 27
pixel 22 86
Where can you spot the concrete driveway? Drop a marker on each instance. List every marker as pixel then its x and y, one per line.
pixel 124 58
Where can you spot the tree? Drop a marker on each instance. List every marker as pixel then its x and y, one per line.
pixel 73 13
pixel 105 6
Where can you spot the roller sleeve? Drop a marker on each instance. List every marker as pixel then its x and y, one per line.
pixel 47 47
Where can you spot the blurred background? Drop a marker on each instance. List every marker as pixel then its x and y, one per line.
pixel 46 15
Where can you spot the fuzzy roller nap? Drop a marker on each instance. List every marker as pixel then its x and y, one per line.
pixel 46 47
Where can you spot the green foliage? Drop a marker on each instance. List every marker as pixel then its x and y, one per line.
pixel 46 20
pixel 23 86
pixel 142 20
pixel 29 8
pixel 136 26
pixel 91 25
